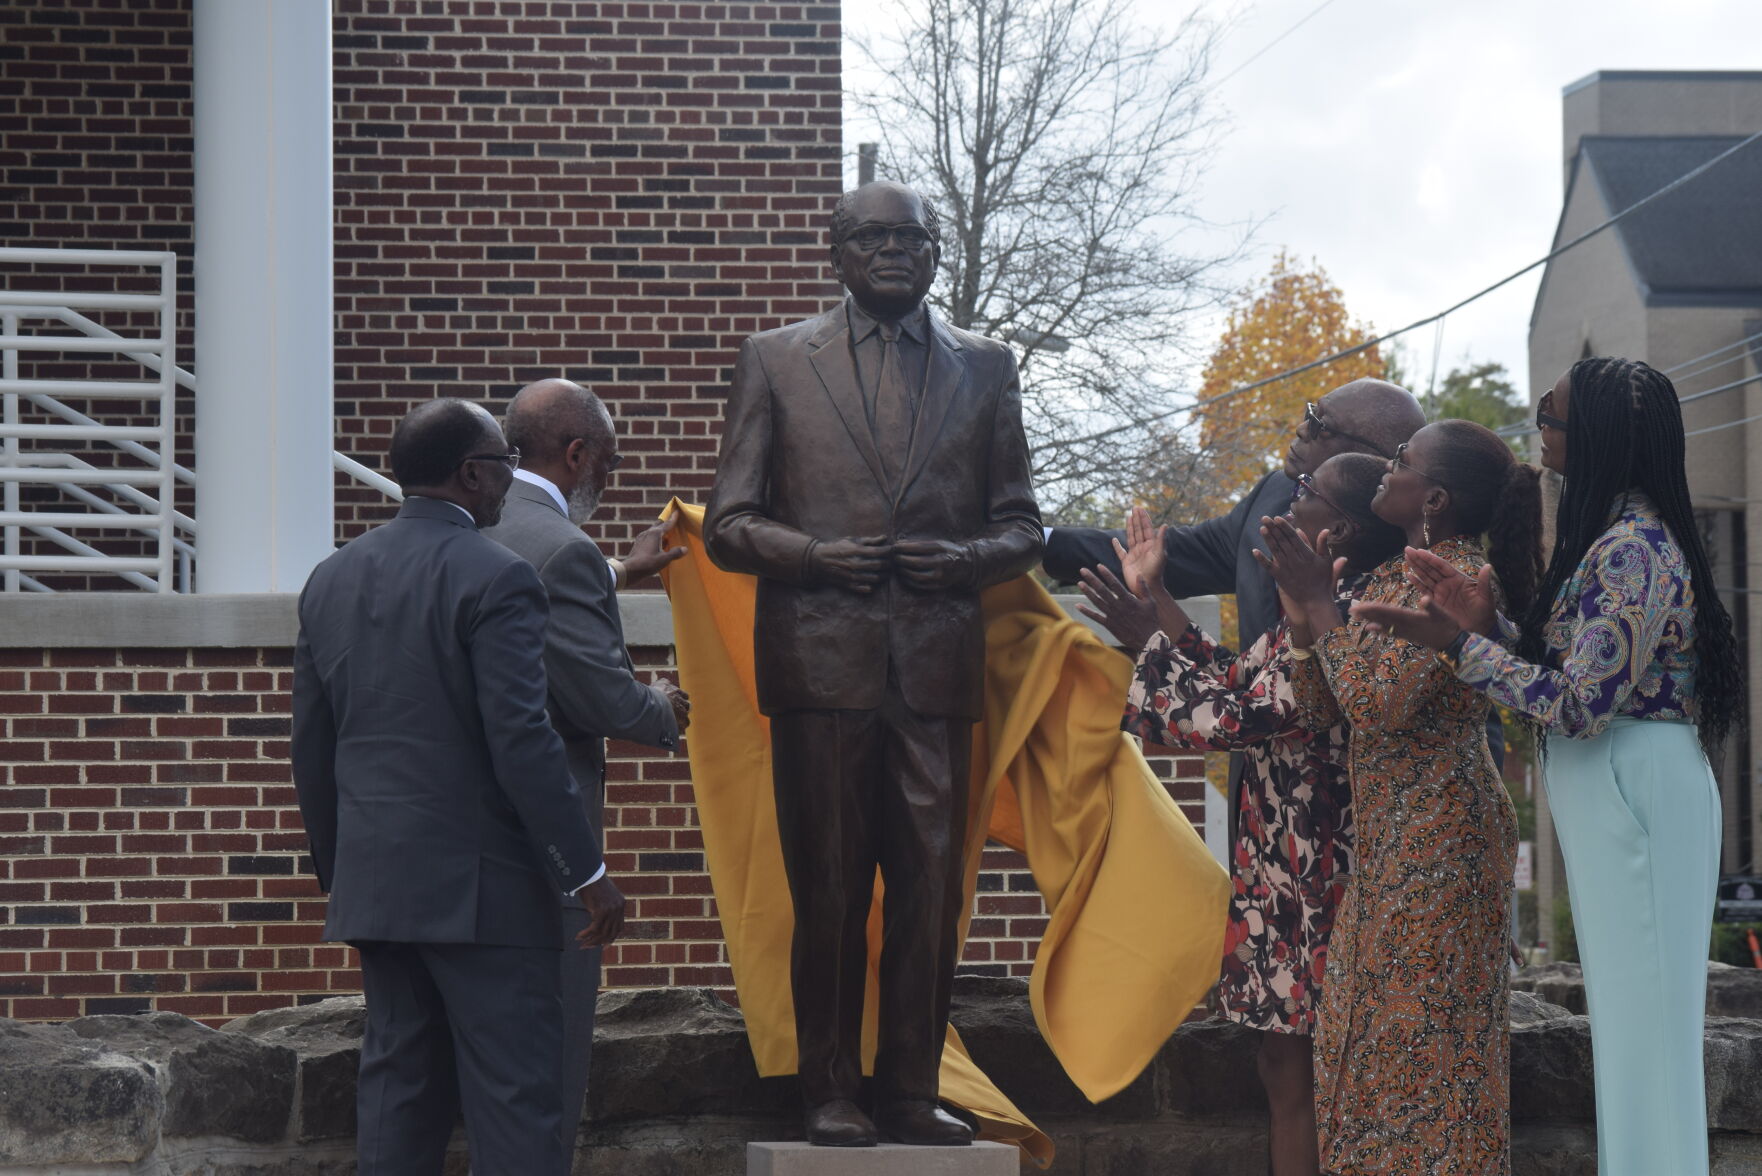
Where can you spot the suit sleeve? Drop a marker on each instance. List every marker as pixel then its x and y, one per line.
pixel 313 750
pixel 1012 539
pixel 506 640
pixel 1201 557
pixel 739 533
pixel 585 667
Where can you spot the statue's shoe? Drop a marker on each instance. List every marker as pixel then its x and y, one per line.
pixel 840 1123
pixel 922 1122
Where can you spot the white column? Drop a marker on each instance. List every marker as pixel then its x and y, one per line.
pixel 263 293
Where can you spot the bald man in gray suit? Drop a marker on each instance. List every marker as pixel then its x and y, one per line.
pixel 568 450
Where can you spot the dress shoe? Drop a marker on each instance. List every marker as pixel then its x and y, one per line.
pixel 922 1122
pixel 839 1123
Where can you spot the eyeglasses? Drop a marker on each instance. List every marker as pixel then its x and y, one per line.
pixel 1547 420
pixel 511 458
pixel 1399 462
pixel 1317 428
pixel 613 462
pixel 869 238
pixel 1306 488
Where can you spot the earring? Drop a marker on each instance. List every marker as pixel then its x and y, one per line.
pixel 1426 530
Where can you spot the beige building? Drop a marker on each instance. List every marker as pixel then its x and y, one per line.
pixel 1679 285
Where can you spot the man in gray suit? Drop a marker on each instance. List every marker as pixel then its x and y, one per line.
pixel 568 450
pixel 441 812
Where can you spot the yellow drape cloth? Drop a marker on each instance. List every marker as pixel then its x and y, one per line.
pixel 1136 903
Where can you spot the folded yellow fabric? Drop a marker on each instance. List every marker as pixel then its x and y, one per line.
pixel 1136 902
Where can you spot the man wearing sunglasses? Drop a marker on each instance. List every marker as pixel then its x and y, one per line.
pixel 443 818
pixel 569 448
pixel 1216 557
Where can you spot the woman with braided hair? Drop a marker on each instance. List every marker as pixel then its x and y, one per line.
pixel 1413 1047
pixel 1624 657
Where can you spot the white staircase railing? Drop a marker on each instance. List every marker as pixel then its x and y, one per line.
pixel 171 566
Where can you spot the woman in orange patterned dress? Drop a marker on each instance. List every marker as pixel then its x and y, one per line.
pixel 1413 1044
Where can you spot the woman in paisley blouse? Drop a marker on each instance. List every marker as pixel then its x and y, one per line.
pixel 1625 652
pixel 1293 845
pixel 1412 1047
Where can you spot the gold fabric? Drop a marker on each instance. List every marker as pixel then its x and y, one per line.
pixel 1136 903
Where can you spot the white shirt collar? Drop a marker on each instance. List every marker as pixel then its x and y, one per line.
pixel 548 486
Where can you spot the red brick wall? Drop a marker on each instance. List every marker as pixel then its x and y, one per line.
pixel 613 192
pixel 151 854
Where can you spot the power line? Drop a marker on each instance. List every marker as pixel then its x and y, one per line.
pixel 1726 425
pixel 1523 428
pixel 1690 362
pixel 1257 54
pixel 1686 177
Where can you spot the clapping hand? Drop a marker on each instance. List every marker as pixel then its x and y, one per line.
pixel 1305 574
pixel 1129 617
pixel 1469 601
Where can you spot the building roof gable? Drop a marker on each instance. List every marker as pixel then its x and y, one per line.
pixel 1699 245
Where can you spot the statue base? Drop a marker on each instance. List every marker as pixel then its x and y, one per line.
pixel 889 1159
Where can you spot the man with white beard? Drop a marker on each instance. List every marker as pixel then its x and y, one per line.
pixel 567 451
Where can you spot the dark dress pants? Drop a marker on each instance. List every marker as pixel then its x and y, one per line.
pixel 857 790
pixel 581 990
pixel 459 1025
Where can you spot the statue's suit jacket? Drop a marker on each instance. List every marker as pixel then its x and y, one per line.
pixel 437 798
pixel 799 465
pixel 593 694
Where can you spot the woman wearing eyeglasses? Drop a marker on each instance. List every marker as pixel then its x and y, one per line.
pixel 1413 1047
pixel 1624 657
pixel 1292 848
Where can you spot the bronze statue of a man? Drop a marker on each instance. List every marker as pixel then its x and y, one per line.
pixel 874 476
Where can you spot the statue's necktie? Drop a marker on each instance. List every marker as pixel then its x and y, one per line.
pixel 893 407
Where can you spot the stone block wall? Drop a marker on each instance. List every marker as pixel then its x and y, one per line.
pixel 152 856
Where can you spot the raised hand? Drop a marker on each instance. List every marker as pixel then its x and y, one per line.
pixel 1469 602
pixel 855 565
pixel 1143 555
pixel 1130 618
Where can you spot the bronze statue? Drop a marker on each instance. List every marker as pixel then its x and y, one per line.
pixel 874 476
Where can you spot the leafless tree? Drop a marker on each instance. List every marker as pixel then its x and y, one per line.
pixel 1061 141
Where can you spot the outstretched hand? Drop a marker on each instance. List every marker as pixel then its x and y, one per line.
pixel 648 554
pixel 1468 602
pixel 1130 617
pixel 1428 625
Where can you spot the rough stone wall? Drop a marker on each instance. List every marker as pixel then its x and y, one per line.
pixel 152 857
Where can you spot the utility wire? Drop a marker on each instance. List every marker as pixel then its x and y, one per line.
pixel 1690 362
pixel 1686 177
pixel 1257 54
pixel 1526 427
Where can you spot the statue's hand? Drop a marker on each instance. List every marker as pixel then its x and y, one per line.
pixel 856 565
pixel 933 565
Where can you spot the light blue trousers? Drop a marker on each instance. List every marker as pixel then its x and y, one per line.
pixel 1637 813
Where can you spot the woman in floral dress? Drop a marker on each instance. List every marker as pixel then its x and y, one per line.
pixel 1413 1042
pixel 1293 846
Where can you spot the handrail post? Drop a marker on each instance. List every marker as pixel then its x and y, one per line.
pixel 9 324
pixel 167 419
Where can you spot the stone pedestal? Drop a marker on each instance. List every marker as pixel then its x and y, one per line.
pixel 890 1159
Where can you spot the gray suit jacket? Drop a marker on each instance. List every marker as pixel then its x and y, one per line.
pixel 593 695
pixel 437 798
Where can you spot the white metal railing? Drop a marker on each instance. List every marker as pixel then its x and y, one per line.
pixel 152 445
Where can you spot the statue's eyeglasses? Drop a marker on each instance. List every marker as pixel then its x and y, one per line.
pixel 869 238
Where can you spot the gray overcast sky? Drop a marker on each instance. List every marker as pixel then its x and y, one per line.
pixel 1413 148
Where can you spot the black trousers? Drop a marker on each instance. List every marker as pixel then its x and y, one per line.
pixel 581 989
pixel 453 1026
pixel 857 790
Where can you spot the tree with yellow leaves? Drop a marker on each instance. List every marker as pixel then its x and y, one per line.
pixel 1289 318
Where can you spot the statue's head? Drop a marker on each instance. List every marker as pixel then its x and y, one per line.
pixel 886 240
